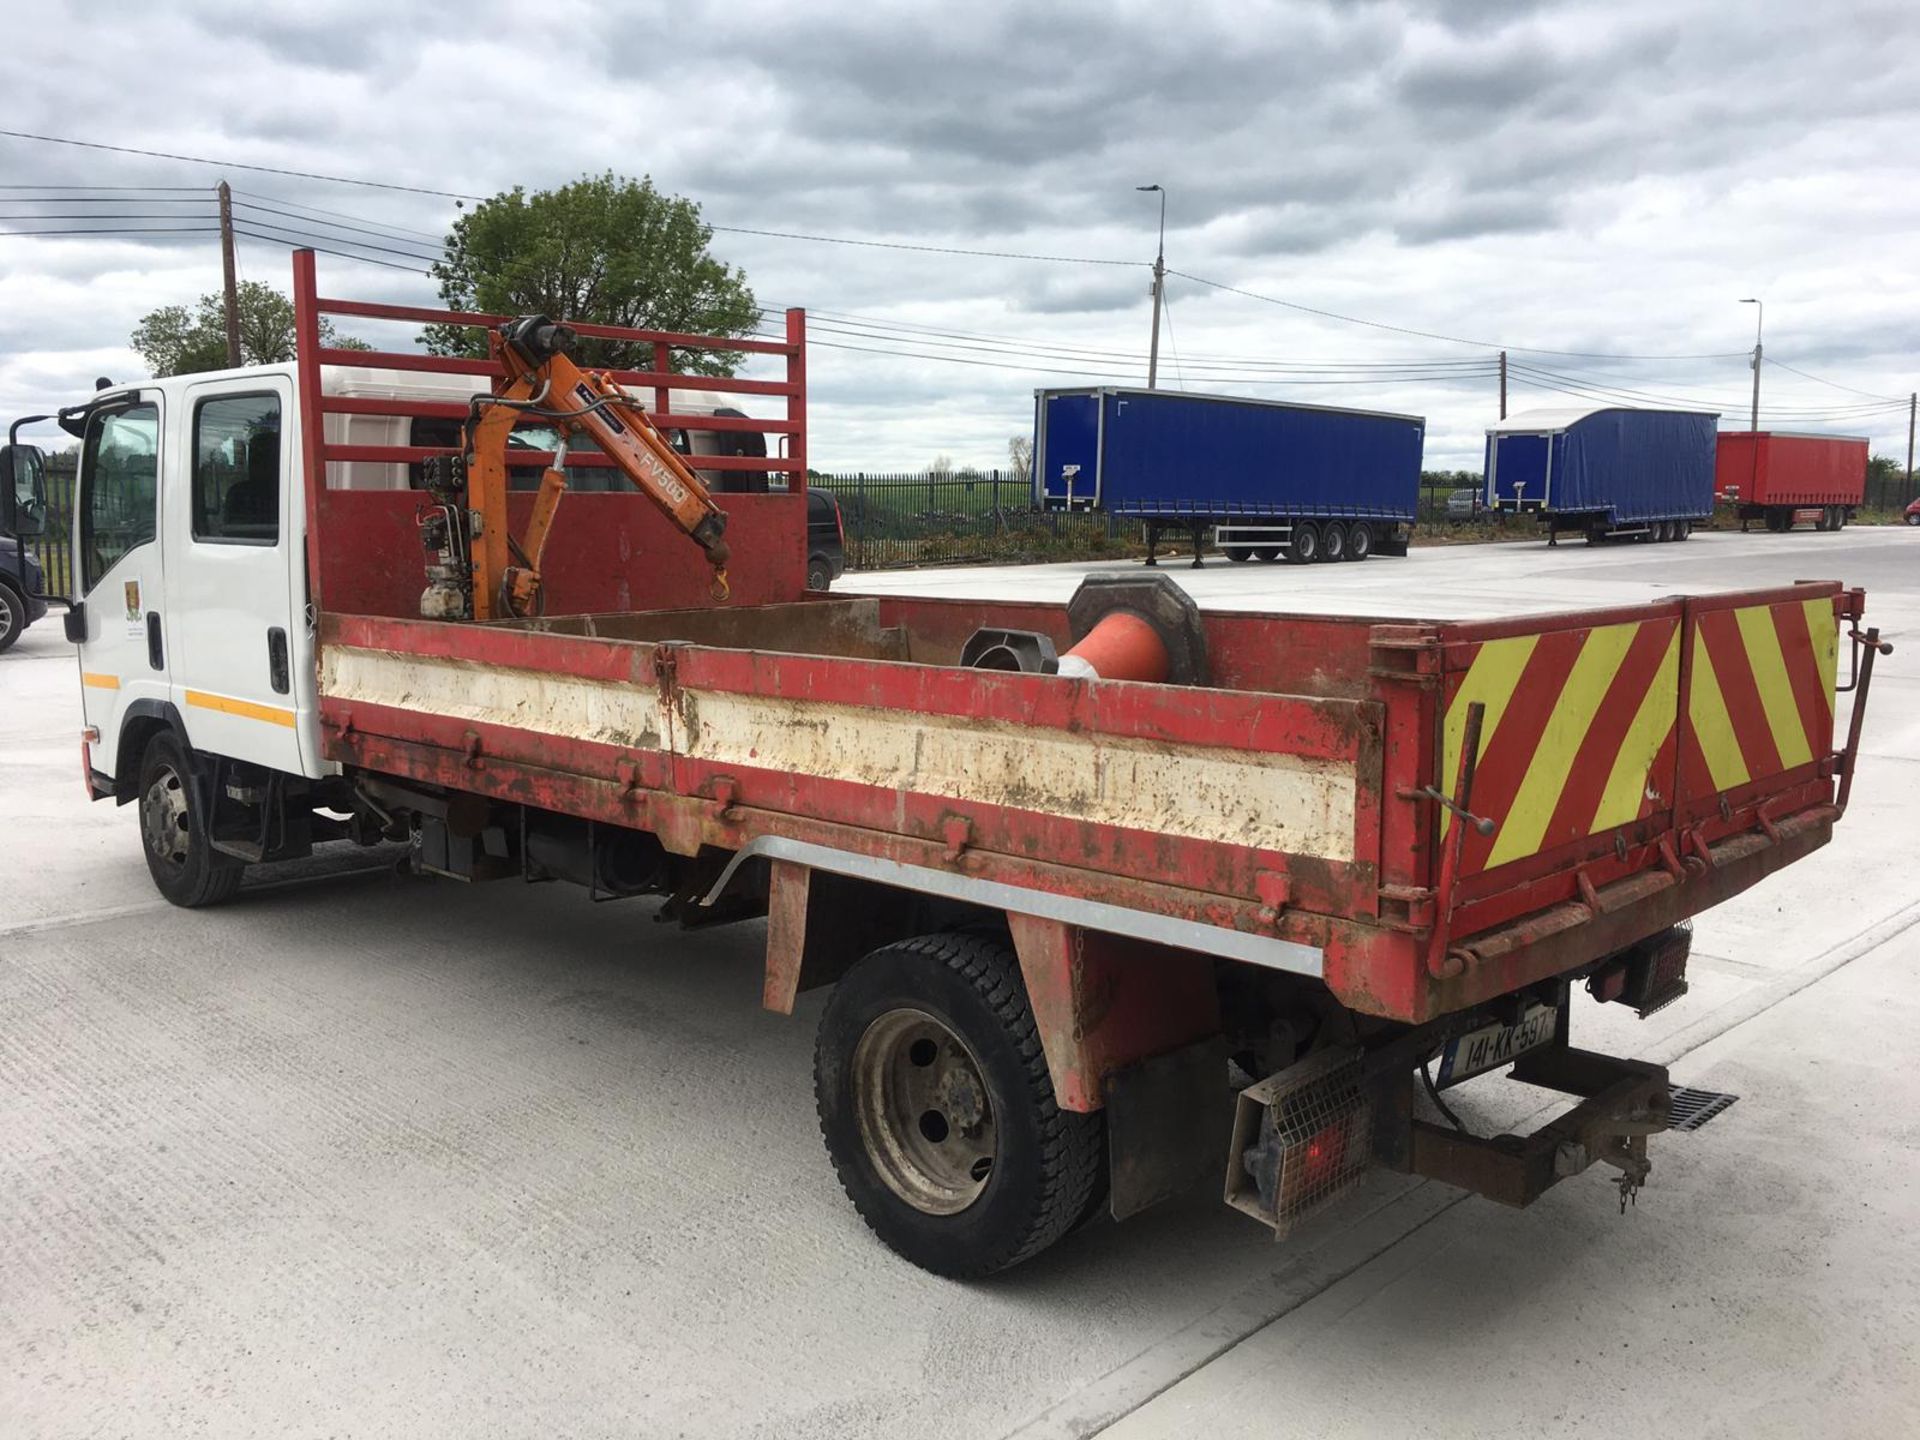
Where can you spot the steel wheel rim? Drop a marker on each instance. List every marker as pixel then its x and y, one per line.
pixel 6 611
pixel 924 1111
pixel 163 817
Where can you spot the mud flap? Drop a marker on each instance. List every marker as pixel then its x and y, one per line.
pixel 1168 1120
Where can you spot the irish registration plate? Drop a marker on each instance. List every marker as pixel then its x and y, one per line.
pixel 1494 1045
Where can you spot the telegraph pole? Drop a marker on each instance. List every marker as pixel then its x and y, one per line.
pixel 1503 384
pixel 1759 320
pixel 226 266
pixel 1911 399
pixel 1159 287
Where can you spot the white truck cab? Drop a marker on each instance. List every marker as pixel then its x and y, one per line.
pixel 191 616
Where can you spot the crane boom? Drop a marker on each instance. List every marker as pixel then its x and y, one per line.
pixel 496 576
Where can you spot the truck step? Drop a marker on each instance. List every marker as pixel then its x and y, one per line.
pixel 1690 1109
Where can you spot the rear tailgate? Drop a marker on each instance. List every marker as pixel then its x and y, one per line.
pixel 1629 743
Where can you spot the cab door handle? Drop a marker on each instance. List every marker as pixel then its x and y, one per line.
pixel 156 657
pixel 278 673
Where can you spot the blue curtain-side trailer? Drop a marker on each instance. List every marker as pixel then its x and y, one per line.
pixel 1269 479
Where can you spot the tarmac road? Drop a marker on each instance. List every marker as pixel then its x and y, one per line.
pixel 362 1155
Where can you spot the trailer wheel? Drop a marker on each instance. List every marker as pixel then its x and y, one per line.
pixel 938 1112
pixel 1359 540
pixel 1304 546
pixel 1333 541
pixel 1239 554
pixel 1268 553
pixel 185 866
pixel 1686 529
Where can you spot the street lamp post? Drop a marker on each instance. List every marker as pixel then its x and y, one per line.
pixel 1759 321
pixel 1159 286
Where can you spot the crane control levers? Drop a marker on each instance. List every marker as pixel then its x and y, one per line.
pixel 476 569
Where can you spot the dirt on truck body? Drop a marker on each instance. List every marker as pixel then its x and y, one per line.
pixel 1115 897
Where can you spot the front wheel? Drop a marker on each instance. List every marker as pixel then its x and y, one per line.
pixel 938 1112
pixel 185 866
pixel 1913 517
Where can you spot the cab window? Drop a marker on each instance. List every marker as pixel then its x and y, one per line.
pixel 236 470
pixel 120 473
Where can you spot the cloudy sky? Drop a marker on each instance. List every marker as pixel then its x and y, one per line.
pixel 1577 182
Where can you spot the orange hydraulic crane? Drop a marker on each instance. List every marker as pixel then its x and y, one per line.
pixel 476 569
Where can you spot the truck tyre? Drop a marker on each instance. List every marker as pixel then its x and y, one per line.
pixel 1303 546
pixel 1268 553
pixel 1333 541
pixel 937 1108
pixel 1686 529
pixel 1359 540
pixel 1239 554
pixel 185 866
pixel 13 616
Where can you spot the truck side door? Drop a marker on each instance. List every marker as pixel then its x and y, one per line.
pixel 230 583
pixel 117 564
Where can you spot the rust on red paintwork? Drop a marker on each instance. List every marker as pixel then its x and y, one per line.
pixel 1331 695
pixel 1104 1002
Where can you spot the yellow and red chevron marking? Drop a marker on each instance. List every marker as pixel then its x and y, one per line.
pixel 1583 727
pixel 1761 697
pixel 1578 735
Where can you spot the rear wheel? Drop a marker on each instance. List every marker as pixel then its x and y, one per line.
pixel 13 616
pixel 1239 554
pixel 1268 552
pixel 1304 545
pixel 938 1112
pixel 1359 540
pixel 819 573
pixel 1686 529
pixel 184 865
pixel 1333 541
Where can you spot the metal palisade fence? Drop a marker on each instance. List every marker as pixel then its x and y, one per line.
pixel 955 516
pixel 54 546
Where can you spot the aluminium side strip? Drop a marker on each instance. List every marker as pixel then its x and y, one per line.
pixel 1287 955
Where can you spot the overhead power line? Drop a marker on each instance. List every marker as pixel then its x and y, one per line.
pixel 124 230
pixel 1834 383
pixel 437 239
pixel 238 165
pixel 1435 335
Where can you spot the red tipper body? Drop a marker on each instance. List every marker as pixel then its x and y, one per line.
pixel 1639 764
pixel 1769 468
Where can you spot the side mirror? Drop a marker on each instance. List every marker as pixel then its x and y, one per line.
pixel 23 491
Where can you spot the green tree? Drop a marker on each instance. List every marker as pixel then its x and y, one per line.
pixel 184 340
pixel 605 250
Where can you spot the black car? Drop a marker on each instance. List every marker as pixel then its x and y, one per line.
pixel 826 539
pixel 19 610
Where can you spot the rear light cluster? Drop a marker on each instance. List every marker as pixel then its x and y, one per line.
pixel 1301 1138
pixel 1650 976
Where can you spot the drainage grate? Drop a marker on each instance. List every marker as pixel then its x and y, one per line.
pixel 1690 1109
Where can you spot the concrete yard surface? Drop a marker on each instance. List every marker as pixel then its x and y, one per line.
pixel 364 1155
